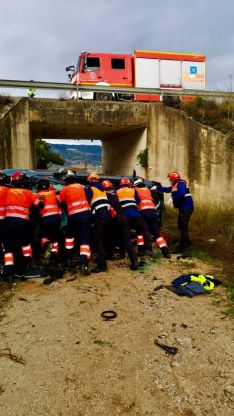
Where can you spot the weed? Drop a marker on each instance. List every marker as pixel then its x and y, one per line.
pixel 188 265
pixel 5 100
pixel 208 223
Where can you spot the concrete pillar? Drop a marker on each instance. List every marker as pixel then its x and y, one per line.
pixel 119 152
pixel 21 146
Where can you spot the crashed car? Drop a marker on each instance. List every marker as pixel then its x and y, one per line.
pixel 31 178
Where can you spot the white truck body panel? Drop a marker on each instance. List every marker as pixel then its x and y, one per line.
pixel 147 73
pixel 170 73
pixel 156 73
pixel 193 75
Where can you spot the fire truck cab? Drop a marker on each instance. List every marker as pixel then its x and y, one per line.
pixel 142 69
pixel 102 69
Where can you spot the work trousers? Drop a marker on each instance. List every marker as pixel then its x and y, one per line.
pixel 102 222
pixel 16 242
pixel 139 225
pixel 119 228
pixel 151 220
pixel 183 226
pixel 79 229
pixel 49 227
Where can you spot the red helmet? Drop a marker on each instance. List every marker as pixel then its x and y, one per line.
pixel 125 182
pixel 173 176
pixel 107 184
pixel 17 175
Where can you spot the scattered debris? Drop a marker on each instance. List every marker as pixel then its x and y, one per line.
pixel 71 279
pixel 24 300
pixel 108 315
pixel 7 353
pixel 167 348
pixel 159 288
pixel 100 342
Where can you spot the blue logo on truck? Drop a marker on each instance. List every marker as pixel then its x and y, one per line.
pixel 193 70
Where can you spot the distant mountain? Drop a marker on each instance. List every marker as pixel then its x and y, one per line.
pixel 79 154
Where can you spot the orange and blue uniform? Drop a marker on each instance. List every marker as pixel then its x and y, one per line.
pixel 79 220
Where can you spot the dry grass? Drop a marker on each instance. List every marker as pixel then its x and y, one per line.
pixel 212 235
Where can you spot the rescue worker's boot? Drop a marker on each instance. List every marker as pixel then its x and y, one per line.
pixel 99 269
pixel 134 264
pixel 165 252
pixel 84 270
pixel 69 264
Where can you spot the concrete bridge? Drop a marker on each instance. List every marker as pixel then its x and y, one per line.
pixel 174 141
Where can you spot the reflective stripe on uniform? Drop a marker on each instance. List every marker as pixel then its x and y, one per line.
pixel 69 243
pixel 140 240
pixel 55 247
pixel 161 242
pixel 8 259
pixel 85 250
pixel 27 251
pixel 44 241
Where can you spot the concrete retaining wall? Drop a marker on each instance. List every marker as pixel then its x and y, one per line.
pixel 202 155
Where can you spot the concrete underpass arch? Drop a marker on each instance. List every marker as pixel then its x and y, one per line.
pixel 175 142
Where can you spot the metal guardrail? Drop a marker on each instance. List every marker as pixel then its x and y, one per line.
pixel 102 88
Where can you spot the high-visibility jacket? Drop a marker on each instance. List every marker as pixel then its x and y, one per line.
pixel 204 279
pixel 75 198
pixel 50 203
pixel 98 200
pixel 18 203
pixel 146 199
pixel 3 194
pixel 127 197
pixel 181 195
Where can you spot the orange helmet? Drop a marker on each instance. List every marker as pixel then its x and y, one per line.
pixel 125 182
pixel 93 177
pixel 107 184
pixel 173 176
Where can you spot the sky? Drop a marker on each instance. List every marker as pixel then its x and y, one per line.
pixel 38 39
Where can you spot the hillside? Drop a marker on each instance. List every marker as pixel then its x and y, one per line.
pixel 79 154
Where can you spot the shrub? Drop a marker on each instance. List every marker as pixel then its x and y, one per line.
pixel 142 158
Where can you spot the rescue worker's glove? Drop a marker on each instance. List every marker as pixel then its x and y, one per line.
pixel 41 203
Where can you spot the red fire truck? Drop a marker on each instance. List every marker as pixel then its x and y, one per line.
pixel 143 69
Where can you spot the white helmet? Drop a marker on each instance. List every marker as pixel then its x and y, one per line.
pixel 68 174
pixel 138 181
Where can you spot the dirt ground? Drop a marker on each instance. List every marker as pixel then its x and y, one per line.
pixel 76 364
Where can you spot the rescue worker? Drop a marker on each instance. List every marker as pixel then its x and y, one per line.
pixel 147 209
pixel 100 209
pixel 127 198
pixel 31 91
pixel 79 220
pixel 182 200
pixel 3 193
pixel 50 218
pixel 16 238
pixel 119 225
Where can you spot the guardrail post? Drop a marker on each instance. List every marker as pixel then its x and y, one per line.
pixel 161 97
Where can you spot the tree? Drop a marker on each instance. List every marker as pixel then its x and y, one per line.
pixel 45 156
